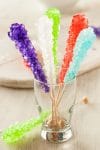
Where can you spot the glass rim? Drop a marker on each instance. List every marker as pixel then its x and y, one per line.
pixel 56 84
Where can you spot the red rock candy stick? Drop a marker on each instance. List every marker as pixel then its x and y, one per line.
pixel 79 22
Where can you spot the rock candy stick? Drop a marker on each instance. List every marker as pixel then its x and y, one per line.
pixel 79 22
pixel 84 42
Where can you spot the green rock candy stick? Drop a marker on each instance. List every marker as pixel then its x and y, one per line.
pixel 16 132
pixel 55 16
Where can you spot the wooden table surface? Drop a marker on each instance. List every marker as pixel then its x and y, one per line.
pixel 18 105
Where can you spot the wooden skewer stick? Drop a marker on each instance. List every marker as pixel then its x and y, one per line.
pixel 60 96
pixel 59 91
pixel 52 98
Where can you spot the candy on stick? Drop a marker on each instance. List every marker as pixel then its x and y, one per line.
pixel 45 42
pixel 16 132
pixel 79 22
pixel 54 15
pixel 18 34
pixel 83 44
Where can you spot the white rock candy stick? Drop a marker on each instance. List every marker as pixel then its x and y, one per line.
pixel 45 42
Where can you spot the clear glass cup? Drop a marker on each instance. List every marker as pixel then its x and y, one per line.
pixel 60 100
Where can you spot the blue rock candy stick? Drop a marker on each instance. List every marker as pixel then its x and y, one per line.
pixel 83 44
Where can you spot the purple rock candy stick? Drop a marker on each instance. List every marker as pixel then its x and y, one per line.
pixel 19 35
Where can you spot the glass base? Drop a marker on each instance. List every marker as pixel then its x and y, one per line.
pixel 56 136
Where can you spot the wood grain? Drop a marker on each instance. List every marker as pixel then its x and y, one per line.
pixel 18 105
